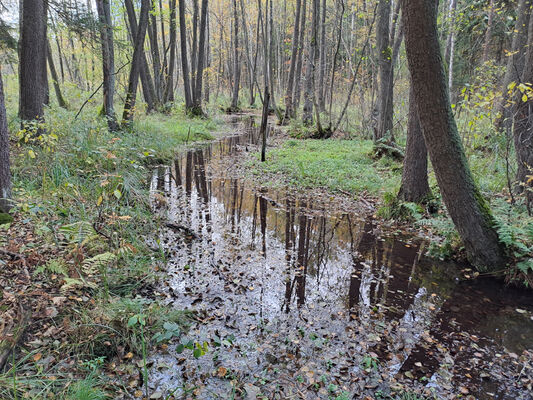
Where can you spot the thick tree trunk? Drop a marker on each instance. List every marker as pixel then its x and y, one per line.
pixel 385 71
pixel 289 103
pixel 169 87
pixel 184 56
pixel 415 186
pixel 515 64
pixel 236 60
pixel 309 95
pixel 33 87
pixel 55 79
pixel 136 62
pixel 523 127
pixel 464 202
pixel 146 77
pixel 5 173
pixel 108 61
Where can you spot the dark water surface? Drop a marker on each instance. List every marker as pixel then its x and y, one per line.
pixel 308 297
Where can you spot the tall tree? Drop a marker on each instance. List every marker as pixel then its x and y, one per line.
pixel 289 110
pixel 136 62
pixel 415 186
pixel 236 60
pixel 309 95
pixel 184 56
pixel 55 78
pixel 523 126
pixel 33 82
pixel 108 61
pixel 197 93
pixel 384 48
pixel 169 86
pixel 5 173
pixel 462 198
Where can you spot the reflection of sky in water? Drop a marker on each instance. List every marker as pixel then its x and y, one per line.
pixel 261 259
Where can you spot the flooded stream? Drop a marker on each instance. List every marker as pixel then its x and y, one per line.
pixel 297 300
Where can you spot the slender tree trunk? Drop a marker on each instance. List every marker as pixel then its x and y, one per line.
pixel 311 66
pixel 465 204
pixel 323 55
pixel 5 173
pixel 197 96
pixel 194 46
pixel 299 62
pixel 136 62
pixel 251 66
pixel 33 82
pixel 156 58
pixel 415 186
pixel 55 79
pixel 488 33
pixel 146 77
pixel 169 87
pixel 108 61
pixel 523 127
pixel 236 60
pixel 385 71
pixel 184 57
pixel 289 103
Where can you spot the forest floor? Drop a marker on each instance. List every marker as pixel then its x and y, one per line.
pixel 263 282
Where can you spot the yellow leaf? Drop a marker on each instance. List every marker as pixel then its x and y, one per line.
pixel 99 201
pixel 524 98
pixel 31 153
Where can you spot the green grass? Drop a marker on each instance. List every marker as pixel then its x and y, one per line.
pixel 344 165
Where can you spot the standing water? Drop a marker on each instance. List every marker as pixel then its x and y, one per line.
pixel 296 300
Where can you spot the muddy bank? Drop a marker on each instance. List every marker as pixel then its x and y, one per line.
pixel 311 298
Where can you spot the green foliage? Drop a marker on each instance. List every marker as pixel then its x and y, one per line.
pixel 87 389
pixel 394 208
pixel 334 164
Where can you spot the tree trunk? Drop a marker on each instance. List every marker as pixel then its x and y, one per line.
pixel 488 33
pixel 184 57
pixel 169 87
pixel 136 62
pixel 108 61
pixel 5 173
pixel 299 62
pixel 385 71
pixel 415 186
pixel 33 82
pixel 197 95
pixel 289 103
pixel 236 60
pixel 323 55
pixel 55 79
pixel 309 94
pixel 466 206
pixel 515 64
pixel 146 77
pixel 156 59
pixel 523 127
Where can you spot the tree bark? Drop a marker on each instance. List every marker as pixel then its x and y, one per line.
pixel 146 77
pixel 55 79
pixel 466 206
pixel 169 87
pixel 415 186
pixel 488 33
pixel 197 95
pixel 184 57
pixel 385 70
pixel 289 103
pixel 156 59
pixel 523 127
pixel 299 62
pixel 108 61
pixel 5 173
pixel 33 82
pixel 136 63
pixel 312 60
pixel 515 64
pixel 323 55
pixel 236 60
